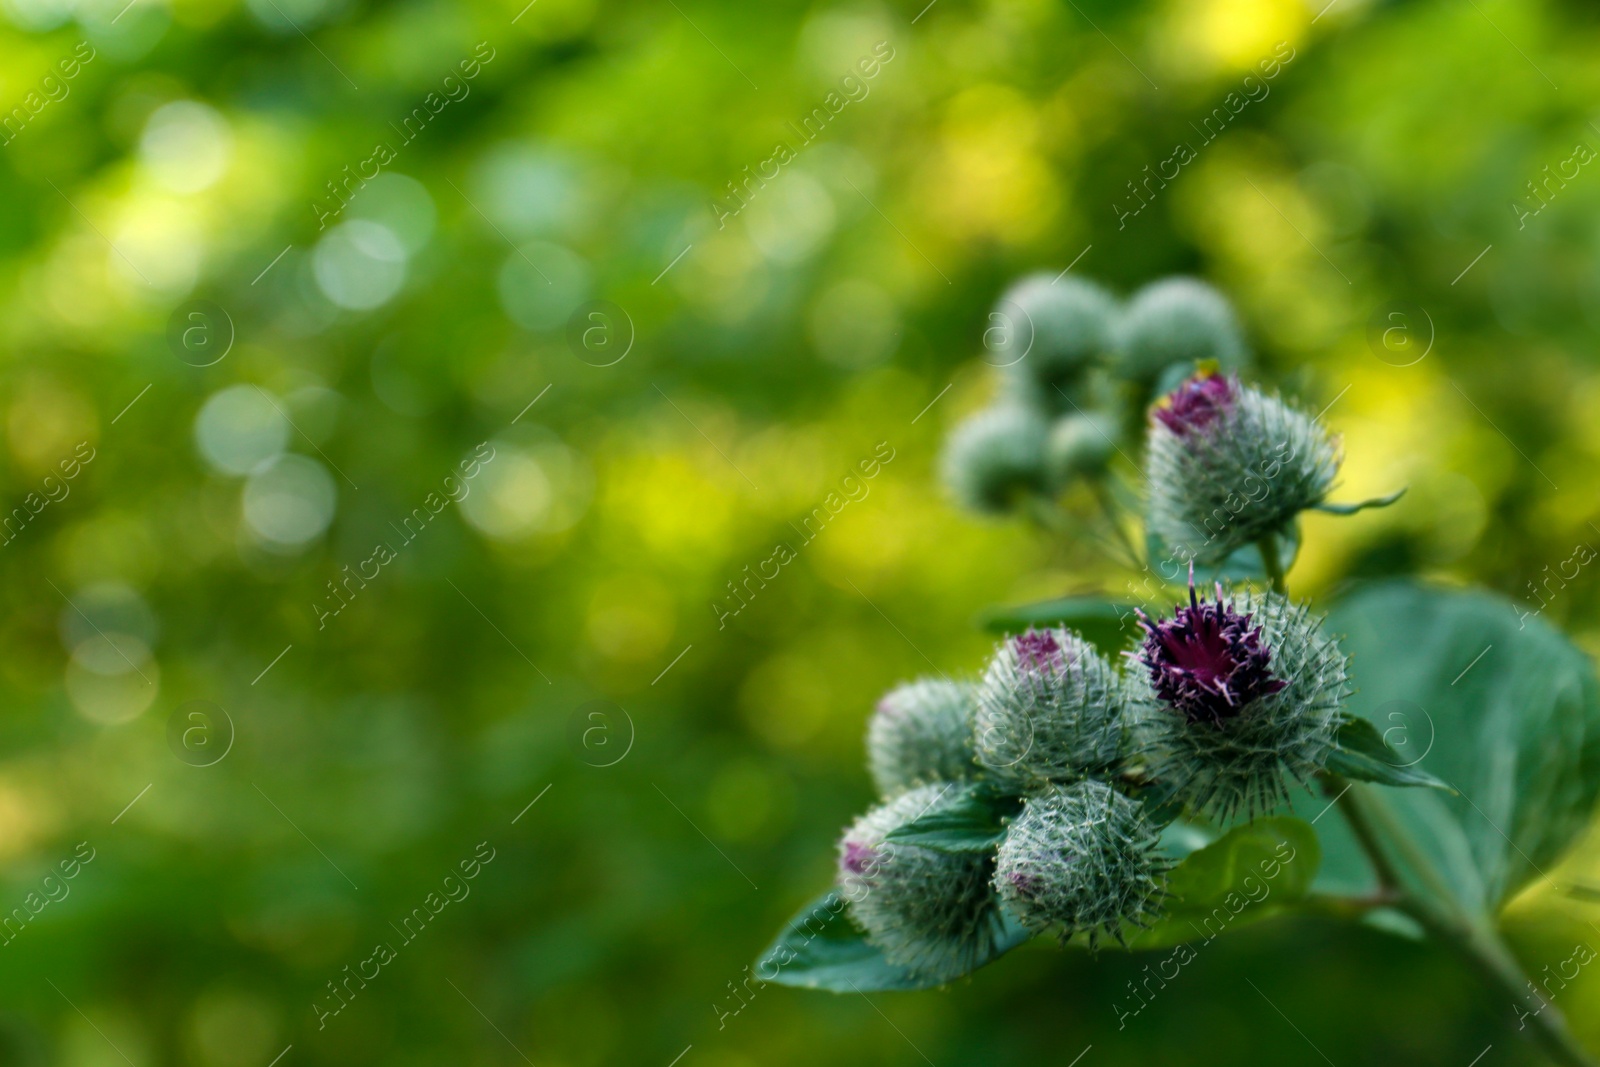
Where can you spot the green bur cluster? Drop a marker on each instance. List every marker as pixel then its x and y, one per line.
pixel 1092 391
pixel 1061 791
pixel 1048 713
pixel 1036 794
pixel 1077 368
pixel 1088 763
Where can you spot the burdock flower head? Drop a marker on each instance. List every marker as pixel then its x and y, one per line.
pixel 1230 465
pixel 1065 325
pixel 1080 446
pixel 921 733
pixel 1050 708
pixel 1177 321
pixel 996 458
pixel 1207 661
pixel 1197 403
pixel 1081 859
pixel 931 912
pixel 1233 697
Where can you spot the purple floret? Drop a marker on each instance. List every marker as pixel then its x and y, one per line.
pixel 858 858
pixel 1038 650
pixel 1026 885
pixel 1197 403
pixel 1207 662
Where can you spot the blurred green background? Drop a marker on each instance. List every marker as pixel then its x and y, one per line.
pixel 838 315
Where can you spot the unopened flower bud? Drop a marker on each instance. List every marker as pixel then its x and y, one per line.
pixel 1067 323
pixel 1232 699
pixel 1177 320
pixel 1080 446
pixel 1229 465
pixel 931 912
pixel 996 457
pixel 1050 708
pixel 921 733
pixel 1081 858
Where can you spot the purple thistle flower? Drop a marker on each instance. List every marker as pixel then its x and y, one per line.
pixel 1027 885
pixel 858 858
pixel 1197 403
pixel 1207 662
pixel 1039 650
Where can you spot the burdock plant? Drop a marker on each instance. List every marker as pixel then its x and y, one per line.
pixel 1146 768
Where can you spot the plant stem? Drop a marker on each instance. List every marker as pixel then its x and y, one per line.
pixel 1361 826
pixel 1113 513
pixel 1348 907
pixel 1272 563
pixel 1487 953
pixel 1478 943
pixel 1043 511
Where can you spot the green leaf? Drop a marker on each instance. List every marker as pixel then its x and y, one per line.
pixel 1351 509
pixel 1394 923
pixel 965 818
pixel 1363 754
pixel 1181 839
pixel 820 948
pixel 1504 709
pixel 1250 873
pixel 1106 624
